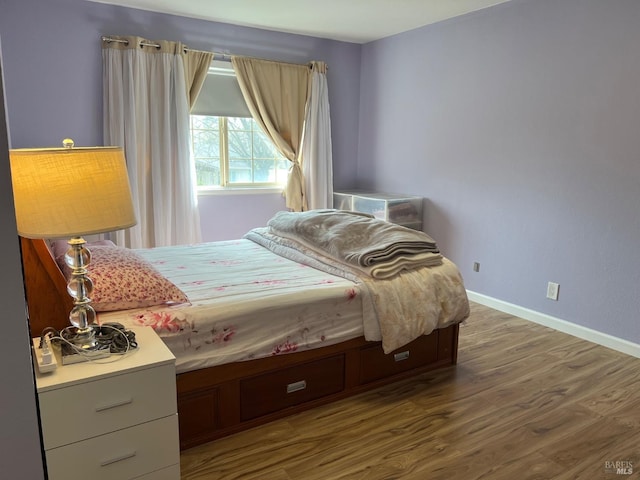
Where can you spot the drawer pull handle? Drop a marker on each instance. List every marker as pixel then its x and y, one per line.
pixel 109 406
pixel 296 386
pixel 398 357
pixel 122 457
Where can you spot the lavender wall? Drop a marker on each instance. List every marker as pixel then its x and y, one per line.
pixel 54 81
pixel 257 209
pixel 520 124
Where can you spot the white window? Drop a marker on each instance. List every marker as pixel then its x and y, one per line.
pixel 228 146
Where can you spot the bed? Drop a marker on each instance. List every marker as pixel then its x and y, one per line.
pixel 272 324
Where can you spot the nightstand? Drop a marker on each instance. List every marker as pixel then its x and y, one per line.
pixel 114 420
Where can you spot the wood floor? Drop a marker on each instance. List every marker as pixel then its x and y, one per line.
pixel 524 402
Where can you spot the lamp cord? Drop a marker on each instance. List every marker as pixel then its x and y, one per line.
pixel 114 335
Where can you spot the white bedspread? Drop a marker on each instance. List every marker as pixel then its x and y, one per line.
pixel 246 303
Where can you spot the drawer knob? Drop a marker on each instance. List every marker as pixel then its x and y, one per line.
pixel 120 458
pixel 296 386
pixel 398 357
pixel 118 403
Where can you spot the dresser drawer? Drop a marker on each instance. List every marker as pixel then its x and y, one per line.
pixel 375 364
pixel 274 391
pixel 121 455
pixel 169 473
pixel 95 407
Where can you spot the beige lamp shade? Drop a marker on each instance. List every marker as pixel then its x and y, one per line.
pixel 70 192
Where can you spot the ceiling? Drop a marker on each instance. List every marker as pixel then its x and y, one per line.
pixel 357 21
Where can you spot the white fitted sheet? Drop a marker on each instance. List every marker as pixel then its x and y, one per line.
pixel 245 303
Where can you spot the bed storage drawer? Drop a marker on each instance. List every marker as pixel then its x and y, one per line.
pixel 301 383
pixel 447 342
pixel 375 364
pixel 199 413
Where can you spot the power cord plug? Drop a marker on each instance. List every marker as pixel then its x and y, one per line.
pixel 43 354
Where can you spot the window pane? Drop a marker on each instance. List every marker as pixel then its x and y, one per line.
pixel 206 143
pixel 239 123
pixel 264 171
pixel 202 121
pixel 207 172
pixel 240 171
pixel 252 157
pixel 263 147
pixel 239 144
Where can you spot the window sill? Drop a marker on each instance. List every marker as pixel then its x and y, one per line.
pixel 239 191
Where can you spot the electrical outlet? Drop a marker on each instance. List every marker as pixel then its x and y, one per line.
pixel 552 290
pixel 476 267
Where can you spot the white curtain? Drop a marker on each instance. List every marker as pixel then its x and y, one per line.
pixel 146 111
pixel 317 165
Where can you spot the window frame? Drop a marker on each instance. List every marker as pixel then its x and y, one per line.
pixel 225 168
pixel 207 105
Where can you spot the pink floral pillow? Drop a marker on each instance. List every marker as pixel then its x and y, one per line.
pixel 123 280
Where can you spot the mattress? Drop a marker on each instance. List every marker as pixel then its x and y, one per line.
pixel 245 303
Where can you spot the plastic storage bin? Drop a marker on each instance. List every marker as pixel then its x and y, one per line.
pixel 395 208
pixel 342 201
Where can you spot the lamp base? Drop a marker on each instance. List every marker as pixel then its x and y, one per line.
pixel 70 356
pixel 84 346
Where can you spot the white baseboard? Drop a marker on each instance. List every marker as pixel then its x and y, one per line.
pixel 584 333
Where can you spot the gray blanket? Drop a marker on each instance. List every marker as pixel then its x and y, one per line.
pixel 378 248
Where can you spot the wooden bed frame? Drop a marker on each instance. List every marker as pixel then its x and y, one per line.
pixel 222 400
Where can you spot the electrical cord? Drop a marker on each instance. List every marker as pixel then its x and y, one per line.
pixel 116 337
pixel 112 336
pixel 47 330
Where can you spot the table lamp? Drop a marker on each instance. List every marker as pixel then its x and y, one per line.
pixel 71 192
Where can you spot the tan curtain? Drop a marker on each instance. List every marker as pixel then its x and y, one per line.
pixel 196 66
pixel 276 94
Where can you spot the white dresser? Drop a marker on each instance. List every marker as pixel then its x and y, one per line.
pixel 114 420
